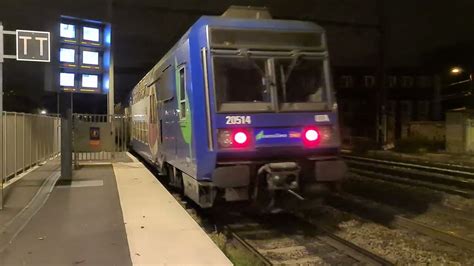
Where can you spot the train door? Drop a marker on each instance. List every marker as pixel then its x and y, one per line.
pixel 183 89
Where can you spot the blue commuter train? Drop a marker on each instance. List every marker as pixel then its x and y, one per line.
pixel 241 106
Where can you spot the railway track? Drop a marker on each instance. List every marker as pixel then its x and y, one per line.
pixel 286 239
pixel 453 179
pixel 373 211
pixel 289 240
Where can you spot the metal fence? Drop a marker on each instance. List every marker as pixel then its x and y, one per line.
pixel 28 139
pixel 99 137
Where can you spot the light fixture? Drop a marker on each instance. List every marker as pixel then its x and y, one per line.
pixel 456 70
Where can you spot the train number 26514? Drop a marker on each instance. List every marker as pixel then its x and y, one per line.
pixel 238 120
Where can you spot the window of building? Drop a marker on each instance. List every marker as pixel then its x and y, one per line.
pixel 347 81
pixel 369 81
pixel 392 81
pixel 407 82
pixel 424 82
pixel 423 110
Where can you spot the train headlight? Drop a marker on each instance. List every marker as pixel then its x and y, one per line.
pixel 233 138
pixel 311 136
pixel 240 137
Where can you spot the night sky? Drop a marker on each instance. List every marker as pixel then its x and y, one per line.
pixel 419 34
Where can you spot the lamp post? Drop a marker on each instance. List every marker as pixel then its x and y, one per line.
pixel 456 71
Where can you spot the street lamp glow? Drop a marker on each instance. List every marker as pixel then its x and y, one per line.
pixel 43 112
pixel 456 70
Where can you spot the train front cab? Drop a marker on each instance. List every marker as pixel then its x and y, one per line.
pixel 274 116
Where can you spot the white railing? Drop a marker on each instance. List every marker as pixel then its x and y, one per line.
pixel 28 139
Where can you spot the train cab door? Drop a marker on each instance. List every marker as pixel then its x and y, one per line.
pixel 183 90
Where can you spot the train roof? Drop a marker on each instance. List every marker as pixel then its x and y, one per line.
pixel 269 24
pixel 250 17
pixel 232 20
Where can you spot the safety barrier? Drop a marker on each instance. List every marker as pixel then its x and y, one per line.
pixel 99 137
pixel 28 139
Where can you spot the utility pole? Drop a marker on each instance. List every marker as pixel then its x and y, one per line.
pixel 382 94
pixel 1 116
pixel 111 93
pixel 66 135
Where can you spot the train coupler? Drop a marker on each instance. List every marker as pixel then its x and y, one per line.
pixel 281 176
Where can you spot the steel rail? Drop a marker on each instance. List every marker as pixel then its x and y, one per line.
pixel 400 221
pixel 446 180
pixel 447 169
pixel 249 247
pixel 409 181
pixel 350 248
pixel 347 248
pixel 427 230
pixel 369 257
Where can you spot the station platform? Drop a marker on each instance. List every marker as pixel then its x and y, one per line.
pixel 108 214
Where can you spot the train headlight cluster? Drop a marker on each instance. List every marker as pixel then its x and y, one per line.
pixel 311 136
pixel 240 137
pixel 233 138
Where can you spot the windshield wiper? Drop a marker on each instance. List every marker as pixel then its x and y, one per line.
pixel 291 67
pixel 261 71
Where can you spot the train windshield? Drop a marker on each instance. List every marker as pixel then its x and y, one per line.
pixel 265 84
pixel 241 81
pixel 300 80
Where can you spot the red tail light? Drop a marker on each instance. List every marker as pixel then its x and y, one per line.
pixel 233 138
pixel 311 136
pixel 241 137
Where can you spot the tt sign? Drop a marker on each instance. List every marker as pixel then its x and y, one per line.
pixel 32 46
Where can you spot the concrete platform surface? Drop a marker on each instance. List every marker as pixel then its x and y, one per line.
pixel 159 230
pixel 77 225
pixel 19 192
pixel 115 214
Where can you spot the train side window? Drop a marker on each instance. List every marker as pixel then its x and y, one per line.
pixel 182 92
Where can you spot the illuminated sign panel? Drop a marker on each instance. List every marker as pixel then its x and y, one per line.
pixel 67 31
pixel 85 55
pixel 67 79
pixel 90 58
pixel 90 34
pixel 90 81
pixel 32 46
pixel 67 55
